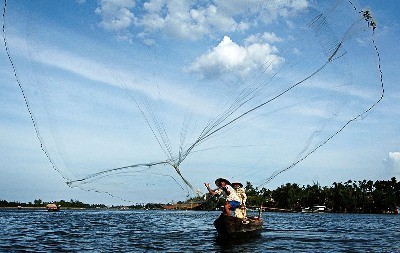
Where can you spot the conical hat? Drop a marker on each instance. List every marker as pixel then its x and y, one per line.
pixel 238 184
pixel 220 180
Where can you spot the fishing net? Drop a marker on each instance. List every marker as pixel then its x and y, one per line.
pixel 147 101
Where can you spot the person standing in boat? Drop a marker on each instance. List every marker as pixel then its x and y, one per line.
pixel 224 187
pixel 241 211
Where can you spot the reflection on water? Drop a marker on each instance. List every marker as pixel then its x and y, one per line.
pixel 238 244
pixel 176 231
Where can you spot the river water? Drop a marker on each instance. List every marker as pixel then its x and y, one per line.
pixel 192 231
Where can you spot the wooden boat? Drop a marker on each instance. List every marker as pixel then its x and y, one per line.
pixel 233 227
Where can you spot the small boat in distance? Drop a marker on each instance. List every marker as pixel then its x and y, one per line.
pixel 315 209
pixel 53 208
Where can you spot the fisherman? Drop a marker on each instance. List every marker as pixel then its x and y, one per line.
pixel 241 211
pixel 224 187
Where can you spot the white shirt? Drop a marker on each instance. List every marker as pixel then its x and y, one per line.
pixel 242 195
pixel 232 196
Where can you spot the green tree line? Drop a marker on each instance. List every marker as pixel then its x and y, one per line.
pixel 39 203
pixel 363 196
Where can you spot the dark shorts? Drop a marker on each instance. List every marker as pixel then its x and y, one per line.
pixel 234 204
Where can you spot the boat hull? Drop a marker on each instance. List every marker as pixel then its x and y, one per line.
pixel 230 226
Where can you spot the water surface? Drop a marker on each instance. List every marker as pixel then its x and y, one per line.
pixel 192 231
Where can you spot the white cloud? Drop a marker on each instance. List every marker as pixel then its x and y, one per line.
pixel 189 19
pixel 179 19
pixel 262 38
pixel 116 14
pixel 229 57
pixel 392 163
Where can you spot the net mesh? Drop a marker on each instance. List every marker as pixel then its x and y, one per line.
pixel 151 119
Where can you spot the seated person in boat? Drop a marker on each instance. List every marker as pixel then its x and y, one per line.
pixel 241 211
pixel 224 187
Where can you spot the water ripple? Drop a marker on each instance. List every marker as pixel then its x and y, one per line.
pixel 174 231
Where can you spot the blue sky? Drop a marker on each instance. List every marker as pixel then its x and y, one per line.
pixel 115 83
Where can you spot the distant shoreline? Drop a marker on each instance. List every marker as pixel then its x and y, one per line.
pixel 133 209
pixel 42 208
